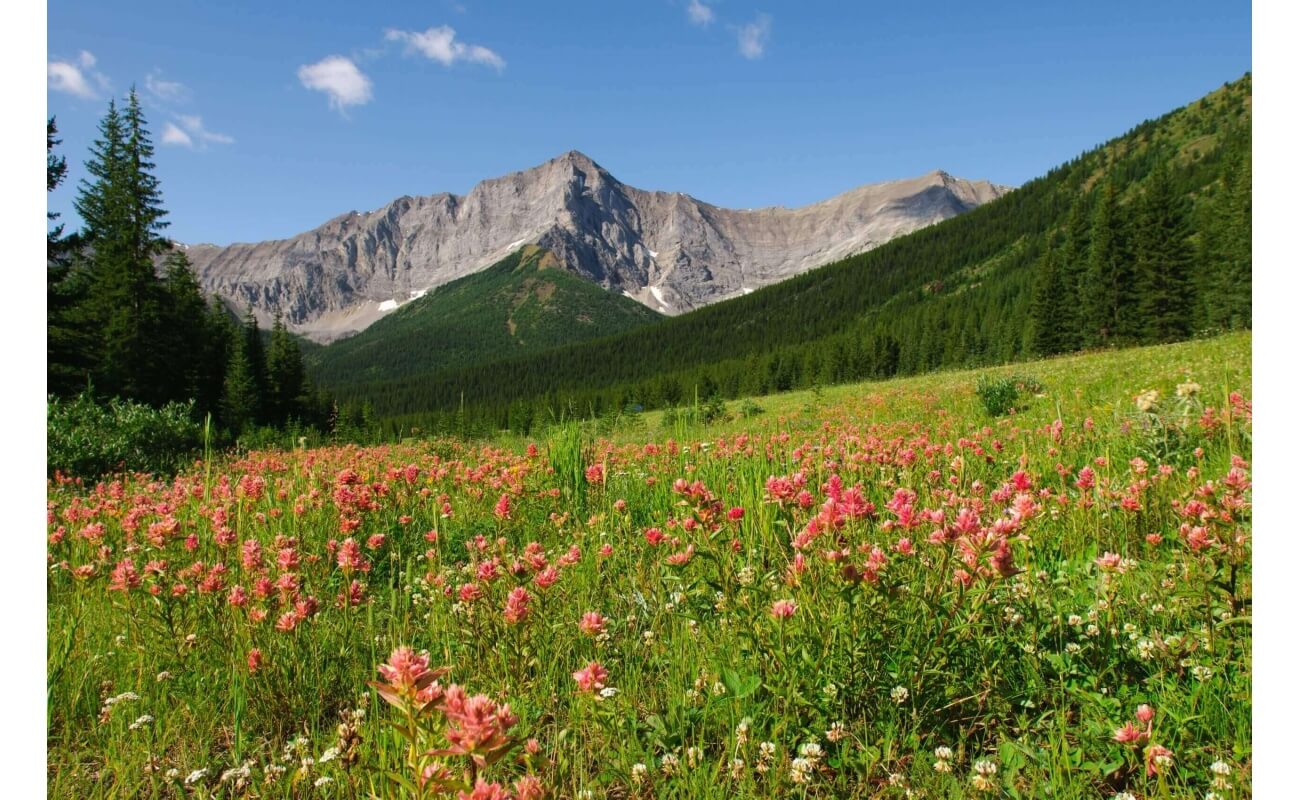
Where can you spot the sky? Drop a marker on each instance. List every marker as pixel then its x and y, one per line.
pixel 272 117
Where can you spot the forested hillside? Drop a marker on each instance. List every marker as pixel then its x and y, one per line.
pixel 525 303
pixel 1018 277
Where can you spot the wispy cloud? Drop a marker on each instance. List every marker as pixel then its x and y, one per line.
pixel 76 77
pixel 176 137
pixel 699 13
pixel 165 91
pixel 340 79
pixel 192 133
pixel 752 38
pixel 439 44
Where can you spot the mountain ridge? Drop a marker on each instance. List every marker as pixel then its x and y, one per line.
pixel 668 250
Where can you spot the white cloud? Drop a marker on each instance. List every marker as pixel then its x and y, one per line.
pixel 75 78
pixel 338 78
pixel 166 91
pixel 439 44
pixel 752 39
pixel 175 136
pixel 699 13
pixel 192 134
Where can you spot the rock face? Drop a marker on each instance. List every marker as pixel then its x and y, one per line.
pixel 667 250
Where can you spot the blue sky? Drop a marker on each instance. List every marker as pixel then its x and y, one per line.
pixel 272 117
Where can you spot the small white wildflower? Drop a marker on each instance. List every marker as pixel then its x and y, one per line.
pixel 638 772
pixel 693 756
pixel 329 755
pixel 196 776
pixel 898 694
pixel 322 781
pixel 830 690
pixel 837 732
pixel 1202 673
pixel 811 751
pixel 668 764
pixel 801 770
pixel 141 721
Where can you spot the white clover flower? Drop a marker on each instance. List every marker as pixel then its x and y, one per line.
pixel 899 694
pixel 322 781
pixel 141 721
pixel 801 770
pixel 767 750
pixel 836 732
pixel 811 751
pixel 236 773
pixel 329 755
pixel 638 772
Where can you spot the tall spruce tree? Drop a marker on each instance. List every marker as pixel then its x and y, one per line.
pixel 240 403
pixel 254 350
pixel 66 342
pixel 120 206
pixel 286 375
pixel 184 332
pixel 1108 296
pixel 1073 266
pixel 1046 304
pixel 1164 260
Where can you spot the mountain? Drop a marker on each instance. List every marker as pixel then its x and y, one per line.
pixel 667 250
pixel 522 304
pixel 955 294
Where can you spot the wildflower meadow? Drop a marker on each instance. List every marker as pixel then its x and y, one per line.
pixel 879 590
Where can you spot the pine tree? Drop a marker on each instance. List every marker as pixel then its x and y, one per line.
pixel 56 171
pixel 286 376
pixel 1164 260
pixel 240 401
pixel 66 343
pixel 1108 296
pixel 183 337
pixel 1045 310
pixel 255 353
pixel 120 206
pixel 1073 267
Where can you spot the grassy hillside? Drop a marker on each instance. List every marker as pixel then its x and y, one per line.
pixel 523 304
pixel 954 294
pixel 825 600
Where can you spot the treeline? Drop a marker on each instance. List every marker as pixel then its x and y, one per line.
pixel 1143 239
pixel 126 317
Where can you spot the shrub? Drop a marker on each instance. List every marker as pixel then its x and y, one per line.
pixel 1000 395
pixel 749 409
pixel 87 439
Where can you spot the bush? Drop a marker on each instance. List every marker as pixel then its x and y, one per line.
pixel 713 410
pixel 85 439
pixel 750 409
pixel 1000 396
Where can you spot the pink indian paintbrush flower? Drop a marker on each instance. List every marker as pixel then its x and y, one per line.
pixel 591 678
pixel 783 609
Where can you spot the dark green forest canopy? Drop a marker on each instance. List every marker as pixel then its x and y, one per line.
pixel 523 304
pixel 1162 212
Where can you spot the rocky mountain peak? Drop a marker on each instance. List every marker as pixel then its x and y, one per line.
pixel 667 250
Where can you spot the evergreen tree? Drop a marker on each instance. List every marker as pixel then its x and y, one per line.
pixel 1225 241
pixel 56 171
pixel 286 375
pixel 240 401
pixel 1164 260
pixel 183 338
pixel 222 337
pixel 121 207
pixel 66 343
pixel 1046 307
pixel 254 352
pixel 1073 266
pixel 1108 296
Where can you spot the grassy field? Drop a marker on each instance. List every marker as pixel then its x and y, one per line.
pixel 879 590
